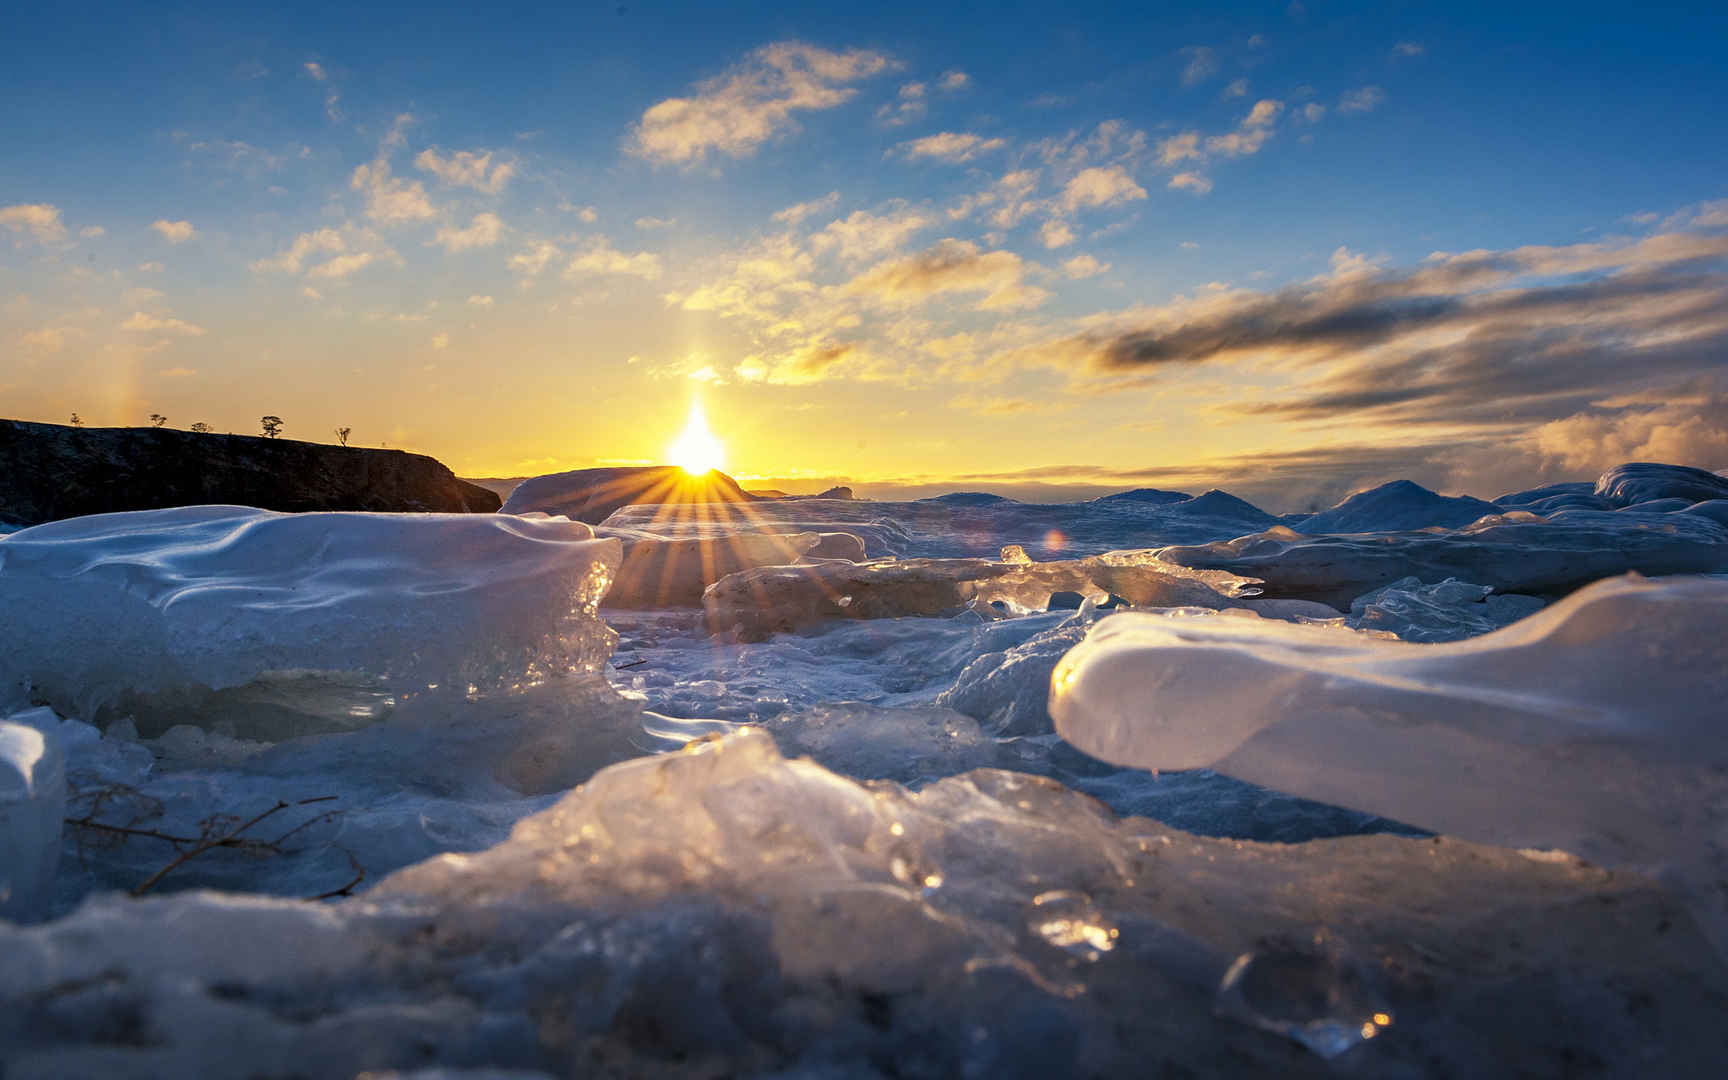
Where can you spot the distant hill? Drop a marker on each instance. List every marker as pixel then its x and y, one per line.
pixel 52 471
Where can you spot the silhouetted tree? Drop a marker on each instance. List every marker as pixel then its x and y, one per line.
pixel 201 428
pixel 77 421
pixel 157 419
pixel 342 435
pixel 272 426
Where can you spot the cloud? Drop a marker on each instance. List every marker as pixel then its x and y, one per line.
pixel 1084 266
pixel 304 245
pixel 655 223
pixel 1237 88
pixel 1311 112
pixel 951 146
pixel 484 231
pixel 391 200
pixel 1179 148
pixel 1251 134
pixel 91 232
pixel 806 363
pixel 48 339
pixel 863 235
pixel 602 258
pixel 154 267
pixel 341 266
pixel 440 341
pixel 792 215
pixel 316 71
pixel 533 259
pixel 736 112
pixel 908 108
pixel 467 169
pixel 175 232
pixel 950 266
pixel 1409 48
pixel 1361 100
pixel 953 81
pixel 478 300
pixel 1190 181
pixel 1202 64
pixel 1107 186
pixel 143 322
pixel 40 220
pixel 1544 347
pixel 1055 233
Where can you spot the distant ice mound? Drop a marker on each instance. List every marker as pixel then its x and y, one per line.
pixel 1514 552
pixel 968 498
pixel 591 495
pixel 117 608
pixel 1642 482
pixel 1594 726
pixel 1223 505
pixel 1155 496
pixel 1394 507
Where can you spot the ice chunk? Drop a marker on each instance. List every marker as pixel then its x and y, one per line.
pixel 32 803
pixel 1007 691
pixel 1394 507
pixel 658 572
pixel 756 915
pixel 756 603
pixel 1449 611
pixel 1593 726
pixel 1568 550
pixel 1643 481
pixel 162 604
pixel 870 742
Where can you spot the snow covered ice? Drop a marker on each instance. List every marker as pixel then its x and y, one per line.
pixel 647 797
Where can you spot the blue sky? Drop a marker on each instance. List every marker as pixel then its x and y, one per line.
pixel 1038 250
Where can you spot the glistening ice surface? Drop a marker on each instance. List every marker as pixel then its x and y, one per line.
pixel 560 838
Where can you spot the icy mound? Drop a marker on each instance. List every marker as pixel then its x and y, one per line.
pixel 1512 553
pixel 726 911
pixel 1642 481
pixel 767 600
pixel 116 609
pixel 1155 496
pixel 32 802
pixel 1593 726
pixel 591 495
pixel 1449 611
pixel 658 572
pixel 1395 507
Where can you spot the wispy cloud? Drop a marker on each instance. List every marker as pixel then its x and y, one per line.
pixel 290 260
pixel 1364 99
pixel 484 230
pixel 602 258
pixel 950 146
pixel 468 169
pixel 143 322
pixel 796 213
pixel 951 266
pixel 175 232
pixel 38 220
pixel 736 112
pixel 1202 64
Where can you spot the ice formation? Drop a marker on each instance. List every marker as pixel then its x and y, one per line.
pixel 1396 506
pixel 1449 610
pixel 1514 552
pixel 209 598
pixel 755 603
pixel 32 803
pixel 726 910
pixel 1594 726
pixel 658 572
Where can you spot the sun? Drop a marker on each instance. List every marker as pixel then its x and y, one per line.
pixel 697 451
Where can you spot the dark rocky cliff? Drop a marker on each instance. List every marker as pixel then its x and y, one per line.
pixel 49 472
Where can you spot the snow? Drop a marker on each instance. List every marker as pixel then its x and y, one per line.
pixel 1642 482
pixel 32 802
pixel 1592 726
pixel 200 599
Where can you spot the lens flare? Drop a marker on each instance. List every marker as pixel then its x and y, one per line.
pixel 697 451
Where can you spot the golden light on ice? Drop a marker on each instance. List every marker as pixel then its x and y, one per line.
pixel 697 450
